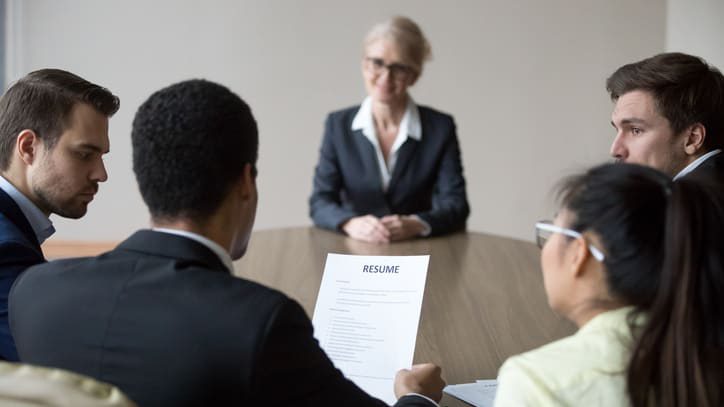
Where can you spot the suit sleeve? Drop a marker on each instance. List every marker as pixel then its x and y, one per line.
pixel 14 259
pixel 325 204
pixel 293 370
pixel 450 208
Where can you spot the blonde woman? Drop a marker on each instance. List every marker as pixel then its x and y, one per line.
pixel 390 169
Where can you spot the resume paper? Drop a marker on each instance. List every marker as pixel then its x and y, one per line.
pixel 367 314
pixel 478 394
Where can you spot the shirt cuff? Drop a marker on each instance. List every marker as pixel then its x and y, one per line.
pixel 427 229
pixel 425 397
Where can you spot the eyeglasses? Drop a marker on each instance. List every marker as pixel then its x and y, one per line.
pixel 397 71
pixel 545 229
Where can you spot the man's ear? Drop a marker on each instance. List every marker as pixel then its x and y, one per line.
pixel 694 141
pixel 248 181
pixel 27 146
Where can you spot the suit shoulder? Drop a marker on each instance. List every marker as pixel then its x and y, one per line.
pixel 61 264
pixel 114 268
pixel 224 286
pixel 260 290
pixel 434 114
pixel 44 268
pixel 345 115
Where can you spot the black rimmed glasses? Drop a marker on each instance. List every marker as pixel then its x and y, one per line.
pixel 545 229
pixel 396 70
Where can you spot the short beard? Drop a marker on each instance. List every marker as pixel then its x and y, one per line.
pixel 47 204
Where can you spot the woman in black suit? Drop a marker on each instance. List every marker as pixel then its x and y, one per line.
pixel 390 169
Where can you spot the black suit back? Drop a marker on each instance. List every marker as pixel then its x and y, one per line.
pixel 167 331
pixel 161 318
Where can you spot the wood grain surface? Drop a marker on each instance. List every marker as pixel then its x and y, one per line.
pixel 484 298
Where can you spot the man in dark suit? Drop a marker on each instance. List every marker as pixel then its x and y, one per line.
pixel 53 131
pixel 162 316
pixel 669 114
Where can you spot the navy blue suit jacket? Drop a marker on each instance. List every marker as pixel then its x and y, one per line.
pixel 427 180
pixel 163 319
pixel 19 249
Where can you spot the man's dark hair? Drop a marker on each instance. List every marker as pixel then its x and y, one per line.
pixel 42 101
pixel 686 89
pixel 191 142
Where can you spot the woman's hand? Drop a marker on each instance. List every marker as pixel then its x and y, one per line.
pixel 402 227
pixel 367 228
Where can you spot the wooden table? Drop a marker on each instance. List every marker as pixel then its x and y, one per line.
pixel 484 298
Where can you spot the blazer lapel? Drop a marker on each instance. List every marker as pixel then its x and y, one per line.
pixel 405 155
pixel 369 158
pixel 12 211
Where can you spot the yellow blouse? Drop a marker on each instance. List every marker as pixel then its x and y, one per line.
pixel 584 369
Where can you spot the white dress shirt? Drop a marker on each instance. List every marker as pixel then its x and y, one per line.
pixel 42 226
pixel 410 127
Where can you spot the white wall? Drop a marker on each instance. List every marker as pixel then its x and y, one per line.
pixel 696 27
pixel 524 80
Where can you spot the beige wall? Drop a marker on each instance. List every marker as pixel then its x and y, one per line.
pixel 524 80
pixel 695 27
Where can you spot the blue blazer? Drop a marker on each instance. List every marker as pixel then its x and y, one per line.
pixel 427 180
pixel 19 249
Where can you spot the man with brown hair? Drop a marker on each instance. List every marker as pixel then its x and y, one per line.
pixel 53 134
pixel 669 114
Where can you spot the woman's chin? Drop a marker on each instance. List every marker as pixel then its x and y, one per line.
pixel 387 97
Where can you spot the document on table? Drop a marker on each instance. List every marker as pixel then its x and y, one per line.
pixel 479 394
pixel 367 314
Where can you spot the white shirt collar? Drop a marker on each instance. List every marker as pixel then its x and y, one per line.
pixel 222 254
pixel 42 226
pixel 691 167
pixel 410 127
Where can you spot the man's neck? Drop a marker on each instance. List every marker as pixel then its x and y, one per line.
pixel 20 183
pixel 194 232
pixel 588 310
pixel 38 219
pixel 203 228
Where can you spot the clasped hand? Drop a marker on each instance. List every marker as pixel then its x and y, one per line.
pixel 370 228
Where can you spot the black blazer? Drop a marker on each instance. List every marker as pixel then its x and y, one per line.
pixel 427 180
pixel 19 249
pixel 161 318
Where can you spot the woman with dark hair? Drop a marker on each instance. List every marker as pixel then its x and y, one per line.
pixel 636 261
